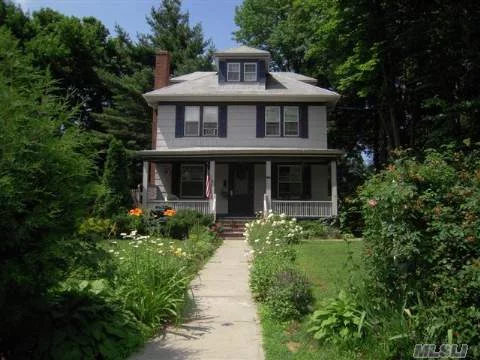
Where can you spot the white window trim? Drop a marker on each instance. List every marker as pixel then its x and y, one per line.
pixel 239 72
pixel 285 121
pixel 250 72
pixel 210 122
pixel 185 122
pixel 278 121
pixel 203 180
pixel 289 182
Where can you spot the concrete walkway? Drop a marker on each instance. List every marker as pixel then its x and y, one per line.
pixel 224 323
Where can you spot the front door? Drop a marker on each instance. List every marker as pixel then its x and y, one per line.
pixel 241 189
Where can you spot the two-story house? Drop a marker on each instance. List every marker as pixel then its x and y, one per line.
pixel 240 140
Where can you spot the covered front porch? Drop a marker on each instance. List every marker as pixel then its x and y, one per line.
pixel 240 184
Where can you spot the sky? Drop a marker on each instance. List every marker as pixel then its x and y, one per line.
pixel 216 16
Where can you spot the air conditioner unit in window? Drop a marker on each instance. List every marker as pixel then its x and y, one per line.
pixel 210 132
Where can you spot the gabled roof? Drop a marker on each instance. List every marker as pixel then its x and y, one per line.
pixel 204 86
pixel 242 51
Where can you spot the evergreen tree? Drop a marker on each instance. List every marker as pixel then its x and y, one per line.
pixel 115 197
pixel 171 31
pixel 44 189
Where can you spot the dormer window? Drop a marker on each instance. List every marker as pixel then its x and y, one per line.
pixel 233 71
pixel 250 71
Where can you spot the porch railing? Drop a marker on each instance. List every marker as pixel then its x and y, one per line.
pixel 302 208
pixel 202 206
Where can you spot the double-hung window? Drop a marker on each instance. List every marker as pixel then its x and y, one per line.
pixel 210 121
pixel 250 72
pixel 233 71
pixel 290 120
pixel 290 181
pixel 192 180
pixel 192 121
pixel 272 121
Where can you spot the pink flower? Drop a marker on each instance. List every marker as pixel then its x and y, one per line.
pixel 372 202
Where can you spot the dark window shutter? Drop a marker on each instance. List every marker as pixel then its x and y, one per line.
pixel 222 71
pixel 260 121
pixel 176 179
pixel 274 181
pixel 261 71
pixel 303 121
pixel 222 121
pixel 307 182
pixel 179 120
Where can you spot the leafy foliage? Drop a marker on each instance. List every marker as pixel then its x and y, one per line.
pixel 274 280
pixel 422 232
pixel 339 320
pixel 44 186
pixel 289 296
pixel 171 31
pixel 115 196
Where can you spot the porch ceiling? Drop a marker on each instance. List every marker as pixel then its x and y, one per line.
pixel 236 152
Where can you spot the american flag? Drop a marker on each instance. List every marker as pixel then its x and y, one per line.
pixel 208 187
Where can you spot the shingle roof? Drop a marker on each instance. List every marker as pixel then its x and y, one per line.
pixel 242 51
pixel 204 86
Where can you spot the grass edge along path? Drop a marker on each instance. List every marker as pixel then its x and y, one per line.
pixel 326 264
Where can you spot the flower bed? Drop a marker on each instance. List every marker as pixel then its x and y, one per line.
pixel 274 280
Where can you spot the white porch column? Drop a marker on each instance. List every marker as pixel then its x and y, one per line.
pixel 145 184
pixel 213 203
pixel 268 186
pixel 333 180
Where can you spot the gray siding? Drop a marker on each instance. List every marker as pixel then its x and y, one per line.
pixel 163 180
pixel 241 131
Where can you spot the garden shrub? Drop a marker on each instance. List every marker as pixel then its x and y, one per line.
pixel 96 229
pixel 179 225
pixel 422 232
pixel 289 295
pixel 80 324
pixel 262 274
pixel 320 229
pixel 45 189
pixel 273 278
pixel 338 320
pixel 114 197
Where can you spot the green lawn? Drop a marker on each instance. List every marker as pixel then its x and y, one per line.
pixel 326 263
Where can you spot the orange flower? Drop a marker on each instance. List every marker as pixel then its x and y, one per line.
pixel 135 212
pixel 169 212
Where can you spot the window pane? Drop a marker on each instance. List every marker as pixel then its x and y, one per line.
pixel 192 189
pixel 272 113
pixel 291 113
pixel 291 128
pixel 250 67
pixel 233 72
pixel 191 128
pixel 234 67
pixel 192 113
pixel 250 72
pixel 272 129
pixel 210 114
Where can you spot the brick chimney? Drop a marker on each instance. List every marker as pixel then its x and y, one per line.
pixel 162 69
pixel 162 76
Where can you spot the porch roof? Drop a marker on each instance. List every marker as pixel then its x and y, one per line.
pixel 222 152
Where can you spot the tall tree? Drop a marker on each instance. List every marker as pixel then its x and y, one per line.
pixel 171 30
pixel 44 189
pixel 407 68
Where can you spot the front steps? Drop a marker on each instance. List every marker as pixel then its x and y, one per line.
pixel 233 228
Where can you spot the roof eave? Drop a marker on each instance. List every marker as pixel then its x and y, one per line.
pixel 332 99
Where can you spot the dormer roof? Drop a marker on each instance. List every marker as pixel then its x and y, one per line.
pixel 243 52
